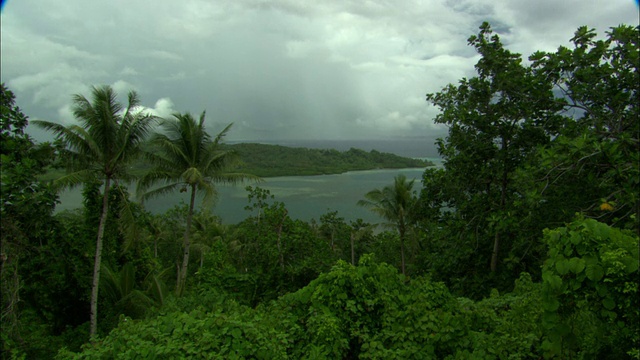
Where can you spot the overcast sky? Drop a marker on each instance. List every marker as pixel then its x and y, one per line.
pixel 284 69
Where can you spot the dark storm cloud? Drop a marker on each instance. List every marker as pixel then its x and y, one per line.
pixel 277 69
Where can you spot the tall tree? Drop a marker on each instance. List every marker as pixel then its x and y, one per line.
pixel 26 206
pixel 496 121
pixel 599 82
pixel 102 146
pixel 186 157
pixel 394 203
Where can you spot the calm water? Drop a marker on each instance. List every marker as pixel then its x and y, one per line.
pixel 306 197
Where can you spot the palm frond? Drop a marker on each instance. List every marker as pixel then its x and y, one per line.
pixel 235 178
pixel 160 191
pixel 172 150
pixel 156 288
pixel 73 179
pixel 210 193
pixel 154 176
pixel 75 137
pixel 393 202
pixel 110 284
pixel 130 228
pixel 222 134
pixel 133 101
pixel 136 132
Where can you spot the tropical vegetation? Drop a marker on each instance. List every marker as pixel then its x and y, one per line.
pixel 276 160
pixel 102 147
pixel 186 157
pixel 523 245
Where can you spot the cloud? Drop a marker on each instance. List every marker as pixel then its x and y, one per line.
pixel 280 69
pixel 163 108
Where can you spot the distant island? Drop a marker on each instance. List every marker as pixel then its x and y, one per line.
pixel 277 160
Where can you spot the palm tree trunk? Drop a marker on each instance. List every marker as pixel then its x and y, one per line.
pixel 98 260
pixel 187 244
pixel 353 253
pixel 402 252
pixel 401 231
pixel 279 240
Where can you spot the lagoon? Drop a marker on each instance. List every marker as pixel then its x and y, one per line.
pixel 305 197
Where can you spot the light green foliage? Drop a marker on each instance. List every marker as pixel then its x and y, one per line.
pixel 369 311
pixel 235 333
pixel 590 291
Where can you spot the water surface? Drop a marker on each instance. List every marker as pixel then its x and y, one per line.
pixel 306 197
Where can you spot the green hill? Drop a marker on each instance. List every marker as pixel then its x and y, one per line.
pixel 276 160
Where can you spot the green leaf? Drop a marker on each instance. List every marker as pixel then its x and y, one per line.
pixel 594 272
pixel 630 264
pixel 602 290
pixel 554 281
pixel 575 237
pixel 551 304
pixel 576 265
pixel 562 266
pixel 608 303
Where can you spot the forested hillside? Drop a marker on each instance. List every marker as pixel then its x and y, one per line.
pixel 524 245
pixel 276 160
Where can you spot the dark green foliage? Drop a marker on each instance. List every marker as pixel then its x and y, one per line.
pixel 519 158
pixel 26 206
pixel 395 204
pixel 185 157
pixel 276 160
pixel 272 287
pixel 594 161
pixel 280 254
pixel 101 148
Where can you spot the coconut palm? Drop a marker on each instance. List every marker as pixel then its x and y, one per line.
pixel 394 204
pixel 102 146
pixel 185 157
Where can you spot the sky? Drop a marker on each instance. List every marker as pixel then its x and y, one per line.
pixel 279 70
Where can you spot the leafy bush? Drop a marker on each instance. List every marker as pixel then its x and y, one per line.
pixel 590 291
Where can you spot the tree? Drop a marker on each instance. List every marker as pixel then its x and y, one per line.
pixel 185 157
pixel 102 146
pixel 395 204
pixel 26 206
pixel 598 83
pixel 496 121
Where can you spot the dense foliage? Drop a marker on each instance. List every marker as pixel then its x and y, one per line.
pixel 276 160
pixel 523 246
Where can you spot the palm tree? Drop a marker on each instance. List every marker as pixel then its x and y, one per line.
pixel 102 146
pixel 185 157
pixel 393 203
